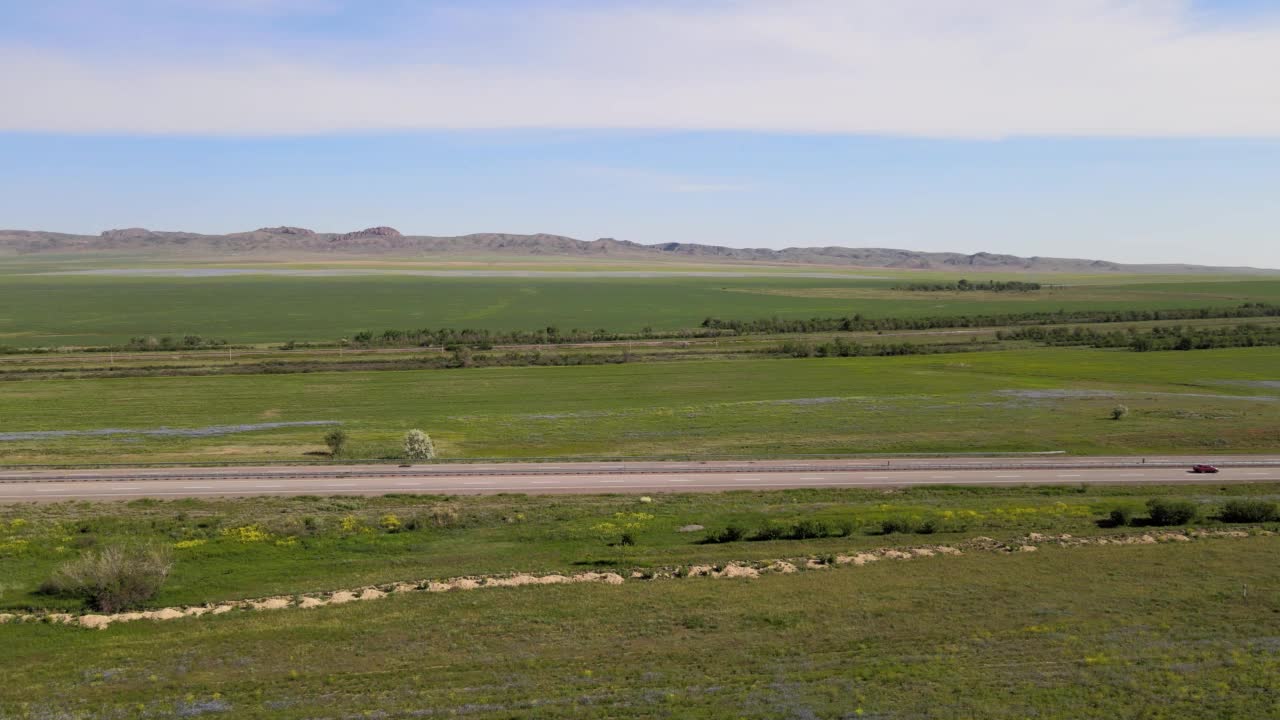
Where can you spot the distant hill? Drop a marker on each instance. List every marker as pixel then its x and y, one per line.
pixel 386 241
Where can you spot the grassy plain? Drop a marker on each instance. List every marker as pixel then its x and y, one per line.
pixel 229 549
pixel 1163 631
pixel 1024 400
pixel 57 310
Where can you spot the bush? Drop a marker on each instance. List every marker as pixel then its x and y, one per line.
pixel 1120 517
pixel 114 578
pixel 336 439
pixel 770 531
pixel 1249 511
pixel 1119 412
pixel 418 446
pixel 733 533
pixel 808 529
pixel 892 525
pixel 1171 512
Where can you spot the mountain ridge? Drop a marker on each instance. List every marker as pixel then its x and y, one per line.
pixel 383 240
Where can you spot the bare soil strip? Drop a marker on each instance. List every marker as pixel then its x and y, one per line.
pixel 1027 543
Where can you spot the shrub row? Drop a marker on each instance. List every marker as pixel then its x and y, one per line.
pixel 1164 513
pixel 802 530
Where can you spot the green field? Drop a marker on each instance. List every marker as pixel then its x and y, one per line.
pixel 310 544
pixel 1150 630
pixel 1027 400
pixel 42 310
pixel 1173 630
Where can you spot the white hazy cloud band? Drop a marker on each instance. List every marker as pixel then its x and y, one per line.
pixel 965 68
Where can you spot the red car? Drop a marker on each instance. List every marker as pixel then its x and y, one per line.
pixel 1203 469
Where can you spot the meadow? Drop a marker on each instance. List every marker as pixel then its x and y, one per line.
pixel 1155 631
pixel 235 548
pixel 1163 631
pixel 1017 400
pixel 76 310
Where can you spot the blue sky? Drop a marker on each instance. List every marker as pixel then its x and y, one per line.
pixel 1136 130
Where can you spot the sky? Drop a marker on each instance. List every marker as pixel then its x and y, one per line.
pixel 1130 130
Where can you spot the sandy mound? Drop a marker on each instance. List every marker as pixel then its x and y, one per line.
pixel 737 571
pixel 164 614
pixel 606 578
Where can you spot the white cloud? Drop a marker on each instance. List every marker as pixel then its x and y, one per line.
pixel 967 68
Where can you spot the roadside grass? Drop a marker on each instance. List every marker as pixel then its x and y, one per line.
pixel 226 549
pixel 1018 400
pixel 95 310
pixel 1163 631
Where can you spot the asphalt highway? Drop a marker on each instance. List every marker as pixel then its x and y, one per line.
pixel 615 477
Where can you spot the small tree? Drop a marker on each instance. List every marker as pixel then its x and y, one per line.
pixel 1119 412
pixel 418 446
pixel 336 439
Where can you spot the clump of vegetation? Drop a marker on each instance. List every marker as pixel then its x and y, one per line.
pixel 336 439
pixel 1119 412
pixel 1120 517
pixel 622 529
pixel 114 578
pixel 732 533
pixel 187 342
pixel 899 524
pixel 967 286
pixel 418 446
pixel 1249 511
pixel 802 530
pixel 1171 512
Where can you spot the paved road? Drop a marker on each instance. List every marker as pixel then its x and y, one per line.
pixel 547 478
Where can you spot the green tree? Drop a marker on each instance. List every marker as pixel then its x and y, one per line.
pixel 336 439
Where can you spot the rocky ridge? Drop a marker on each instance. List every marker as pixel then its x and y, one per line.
pixel 387 241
